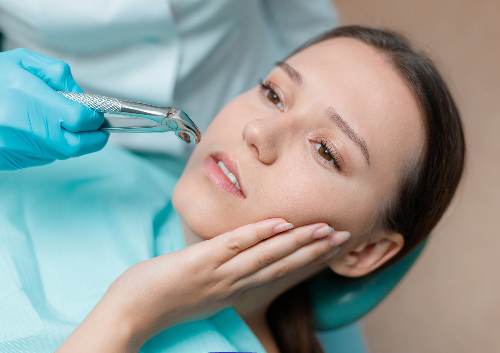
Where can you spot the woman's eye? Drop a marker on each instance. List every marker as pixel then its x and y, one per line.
pixel 323 152
pixel 271 95
pixel 329 155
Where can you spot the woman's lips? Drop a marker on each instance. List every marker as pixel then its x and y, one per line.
pixel 218 177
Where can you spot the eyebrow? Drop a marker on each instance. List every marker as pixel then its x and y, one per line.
pixel 349 131
pixel 294 74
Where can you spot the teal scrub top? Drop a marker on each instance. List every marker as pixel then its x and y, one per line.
pixel 69 229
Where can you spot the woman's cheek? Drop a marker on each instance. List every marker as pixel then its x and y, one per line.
pixel 294 195
pixel 309 199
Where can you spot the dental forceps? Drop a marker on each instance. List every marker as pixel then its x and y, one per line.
pixel 148 118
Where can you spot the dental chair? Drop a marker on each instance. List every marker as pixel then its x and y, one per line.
pixel 337 302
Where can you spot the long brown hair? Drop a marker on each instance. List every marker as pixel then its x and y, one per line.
pixel 427 184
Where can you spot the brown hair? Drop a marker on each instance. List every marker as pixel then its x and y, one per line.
pixel 427 184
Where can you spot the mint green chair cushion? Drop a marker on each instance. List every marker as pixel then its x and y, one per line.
pixel 339 301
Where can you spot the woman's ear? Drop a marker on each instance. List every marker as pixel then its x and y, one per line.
pixel 368 256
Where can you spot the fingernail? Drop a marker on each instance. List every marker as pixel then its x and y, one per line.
pixel 282 227
pixel 322 232
pixel 339 238
pixel 330 253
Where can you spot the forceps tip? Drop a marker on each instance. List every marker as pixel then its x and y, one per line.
pixel 189 127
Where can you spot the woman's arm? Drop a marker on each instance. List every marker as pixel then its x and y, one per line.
pixel 197 281
pixel 105 329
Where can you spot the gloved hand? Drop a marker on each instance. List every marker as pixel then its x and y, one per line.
pixel 37 124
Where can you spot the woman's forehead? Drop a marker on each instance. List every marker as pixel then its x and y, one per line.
pixel 349 66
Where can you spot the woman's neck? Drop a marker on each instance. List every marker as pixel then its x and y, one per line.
pixel 253 307
pixel 189 237
pixel 256 321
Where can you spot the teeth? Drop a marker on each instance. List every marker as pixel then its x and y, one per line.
pixel 229 174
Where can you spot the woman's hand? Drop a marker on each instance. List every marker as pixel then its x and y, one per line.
pixel 202 278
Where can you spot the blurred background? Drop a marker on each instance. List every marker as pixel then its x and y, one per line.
pixel 449 301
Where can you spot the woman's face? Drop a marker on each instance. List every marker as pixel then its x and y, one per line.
pixel 323 140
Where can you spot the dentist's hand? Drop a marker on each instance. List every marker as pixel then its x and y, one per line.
pixel 200 280
pixel 37 124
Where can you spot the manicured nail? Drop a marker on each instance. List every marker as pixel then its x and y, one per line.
pixel 282 227
pixel 322 232
pixel 329 254
pixel 339 238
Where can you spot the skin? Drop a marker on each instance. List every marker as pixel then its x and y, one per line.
pixel 249 256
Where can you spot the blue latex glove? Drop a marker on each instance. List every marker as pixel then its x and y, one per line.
pixel 37 124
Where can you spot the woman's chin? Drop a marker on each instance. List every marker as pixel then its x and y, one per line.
pixel 196 215
pixel 206 210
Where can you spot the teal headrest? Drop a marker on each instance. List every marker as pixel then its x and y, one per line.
pixel 338 301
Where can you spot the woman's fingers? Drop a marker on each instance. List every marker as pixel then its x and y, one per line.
pixel 229 244
pixel 255 254
pixel 277 247
pixel 322 248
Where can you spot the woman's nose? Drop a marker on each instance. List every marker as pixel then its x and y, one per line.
pixel 265 136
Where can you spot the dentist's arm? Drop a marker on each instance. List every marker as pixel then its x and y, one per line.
pixel 38 125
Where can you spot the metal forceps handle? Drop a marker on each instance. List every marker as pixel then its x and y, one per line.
pixel 148 118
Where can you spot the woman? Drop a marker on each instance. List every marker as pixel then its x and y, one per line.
pixel 354 132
